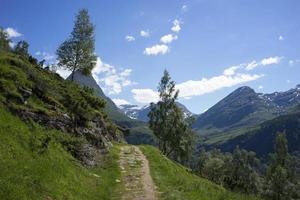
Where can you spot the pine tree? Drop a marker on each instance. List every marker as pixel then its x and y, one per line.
pixel 175 138
pixel 77 52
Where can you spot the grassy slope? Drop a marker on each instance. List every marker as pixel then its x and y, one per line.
pixel 28 170
pixel 176 183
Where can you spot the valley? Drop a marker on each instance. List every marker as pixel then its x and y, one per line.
pixel 100 100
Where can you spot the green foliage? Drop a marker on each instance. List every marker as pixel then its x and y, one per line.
pixel 22 48
pixel 237 171
pixel 26 86
pixel 35 163
pixel 176 182
pixel 166 120
pixel 281 183
pixel 4 40
pixel 77 52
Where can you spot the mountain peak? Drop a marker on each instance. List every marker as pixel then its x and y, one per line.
pixel 245 89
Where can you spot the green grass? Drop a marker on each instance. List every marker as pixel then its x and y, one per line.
pixel 29 169
pixel 176 182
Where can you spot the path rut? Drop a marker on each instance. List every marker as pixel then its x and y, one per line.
pixel 136 176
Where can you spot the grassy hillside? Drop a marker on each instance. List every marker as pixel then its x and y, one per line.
pixel 31 168
pixel 175 182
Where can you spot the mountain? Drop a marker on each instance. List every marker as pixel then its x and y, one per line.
pixel 111 109
pixel 136 112
pixel 141 113
pixel 139 133
pixel 243 109
pixel 261 139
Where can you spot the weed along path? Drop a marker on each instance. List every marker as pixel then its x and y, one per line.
pixel 136 178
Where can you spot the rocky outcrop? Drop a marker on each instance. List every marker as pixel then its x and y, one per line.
pixel 99 134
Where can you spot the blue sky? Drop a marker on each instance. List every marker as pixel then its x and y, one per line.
pixel 210 47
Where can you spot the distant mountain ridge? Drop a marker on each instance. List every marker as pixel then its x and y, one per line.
pixel 141 113
pixel 245 108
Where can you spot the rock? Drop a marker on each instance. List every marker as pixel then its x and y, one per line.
pixel 25 92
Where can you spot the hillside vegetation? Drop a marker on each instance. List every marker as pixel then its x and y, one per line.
pixel 30 168
pixel 40 95
pixel 176 182
pixel 261 140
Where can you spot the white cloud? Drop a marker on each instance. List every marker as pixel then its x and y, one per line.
pixel 144 33
pixel 288 81
pixel 12 32
pixel 50 58
pixel 264 62
pixel 199 87
pixel 120 102
pixel 145 96
pixel 251 65
pixel 231 70
pixel 12 44
pixel 271 60
pixel 168 38
pixel 260 87
pixel 156 50
pixel 291 62
pixel 231 76
pixel 280 38
pixel 184 8
pixel 129 38
pixel 112 79
pixel 191 88
pixel 176 26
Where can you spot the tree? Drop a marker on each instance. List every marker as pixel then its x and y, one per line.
pixel 166 120
pixel 22 48
pixel 77 52
pixel 4 40
pixel 241 172
pixel 281 183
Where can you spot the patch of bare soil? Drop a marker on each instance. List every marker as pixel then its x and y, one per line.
pixel 136 176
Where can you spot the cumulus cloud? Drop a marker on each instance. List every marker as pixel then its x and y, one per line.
pixel 271 60
pixel 144 33
pixel 120 102
pixel 112 79
pixel 166 39
pixel 176 26
pixel 12 33
pixel 145 96
pixel 129 38
pixel 156 50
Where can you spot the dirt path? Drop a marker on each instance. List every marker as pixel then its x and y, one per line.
pixel 136 175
